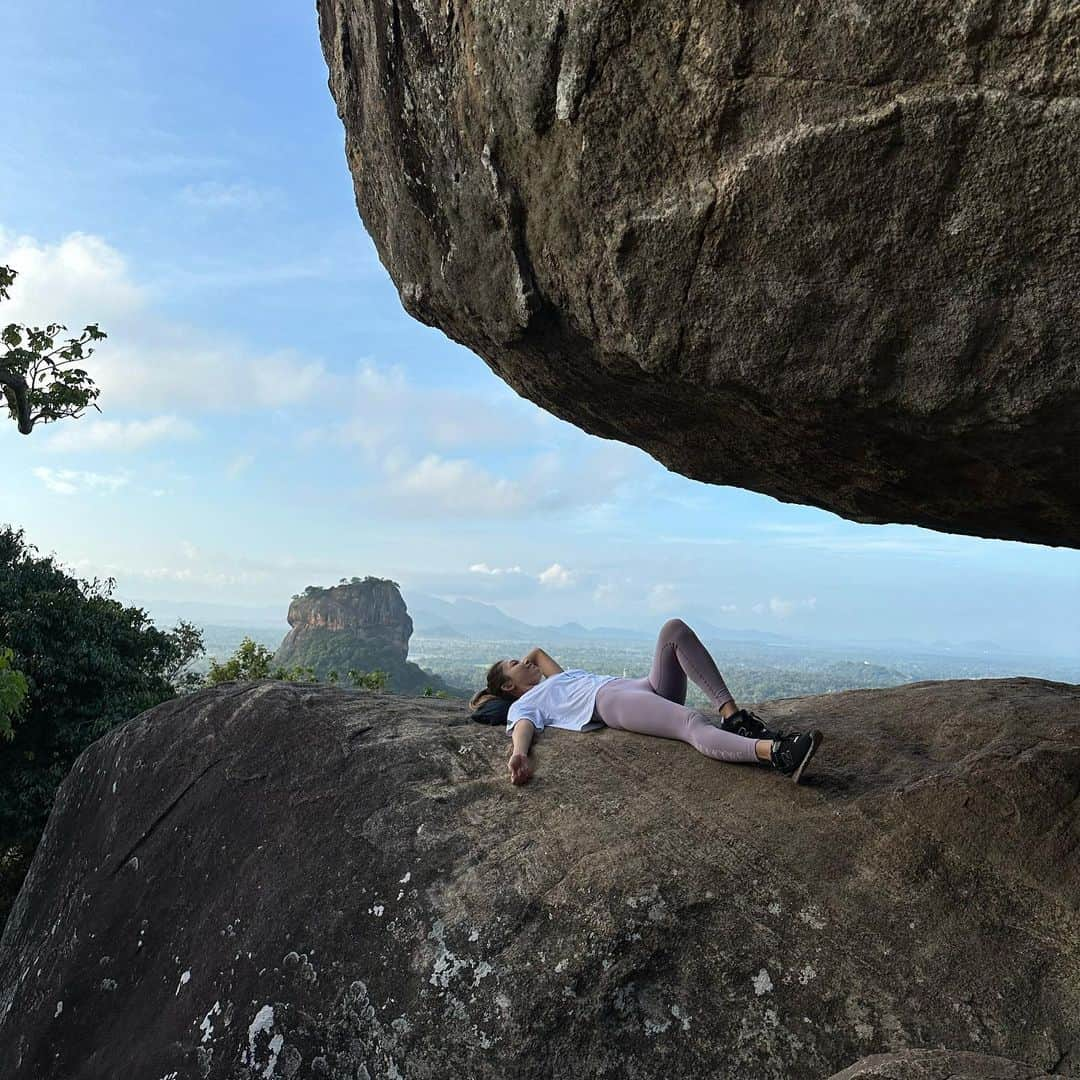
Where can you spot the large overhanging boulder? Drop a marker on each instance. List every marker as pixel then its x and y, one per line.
pixel 277 880
pixel 825 251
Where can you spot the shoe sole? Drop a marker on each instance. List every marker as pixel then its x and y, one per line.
pixel 818 740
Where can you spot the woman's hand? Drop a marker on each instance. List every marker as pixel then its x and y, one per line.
pixel 520 769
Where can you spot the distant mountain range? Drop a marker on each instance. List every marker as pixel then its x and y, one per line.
pixel 472 619
pixel 461 618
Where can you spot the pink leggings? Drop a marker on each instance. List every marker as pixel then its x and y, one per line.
pixel 656 705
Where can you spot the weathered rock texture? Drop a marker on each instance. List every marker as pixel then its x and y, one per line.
pixel 304 881
pixel 829 252
pixel 940 1065
pixel 362 626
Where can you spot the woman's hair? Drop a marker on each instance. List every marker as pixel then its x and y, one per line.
pixel 495 678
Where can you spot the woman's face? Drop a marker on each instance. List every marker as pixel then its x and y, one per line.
pixel 519 676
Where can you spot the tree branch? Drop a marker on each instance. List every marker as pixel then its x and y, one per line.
pixel 16 393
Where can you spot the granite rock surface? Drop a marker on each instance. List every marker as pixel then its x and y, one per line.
pixel 284 880
pixel 941 1065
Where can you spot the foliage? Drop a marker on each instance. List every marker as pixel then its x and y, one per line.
pixel 431 692
pixel 320 590
pixel 370 680
pixel 328 650
pixel 38 381
pixel 89 663
pixel 189 645
pixel 254 661
pixel 13 687
pixel 14 863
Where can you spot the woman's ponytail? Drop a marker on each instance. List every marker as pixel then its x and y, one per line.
pixel 493 689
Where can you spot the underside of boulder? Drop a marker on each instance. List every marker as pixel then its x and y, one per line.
pixel 828 252
pixel 282 880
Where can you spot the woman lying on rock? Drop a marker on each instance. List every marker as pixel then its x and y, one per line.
pixel 534 693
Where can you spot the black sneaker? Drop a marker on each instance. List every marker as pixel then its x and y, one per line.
pixel 791 752
pixel 749 725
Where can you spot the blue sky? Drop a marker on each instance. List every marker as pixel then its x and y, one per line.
pixel 272 418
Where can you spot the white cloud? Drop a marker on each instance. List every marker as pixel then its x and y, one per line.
pixel 454 486
pixel 189 564
pixel 176 365
pixel 853 538
pixel 432 451
pixel 385 409
pixel 556 576
pixel 777 527
pixel 783 609
pixel 78 281
pixel 161 163
pixel 663 598
pixel 147 360
pixel 413 436
pixel 710 541
pixel 239 465
pixel 550 482
pixel 606 594
pixel 195 576
pixel 123 436
pixel 71 481
pixel 483 568
pixel 215 195
pixel 842 546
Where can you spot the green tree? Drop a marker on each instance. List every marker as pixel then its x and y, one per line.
pixel 89 663
pixel 13 688
pixel 254 661
pixel 369 680
pixel 250 661
pixel 188 642
pixel 37 378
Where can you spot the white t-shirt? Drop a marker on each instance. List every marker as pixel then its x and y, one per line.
pixel 565 700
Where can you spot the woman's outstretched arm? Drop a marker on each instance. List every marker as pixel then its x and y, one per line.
pixel 520 769
pixel 544 662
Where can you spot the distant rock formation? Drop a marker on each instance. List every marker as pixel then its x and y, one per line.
pixel 284 880
pixel 361 625
pixel 828 252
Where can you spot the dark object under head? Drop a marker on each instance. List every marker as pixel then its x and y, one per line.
pixel 493 711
